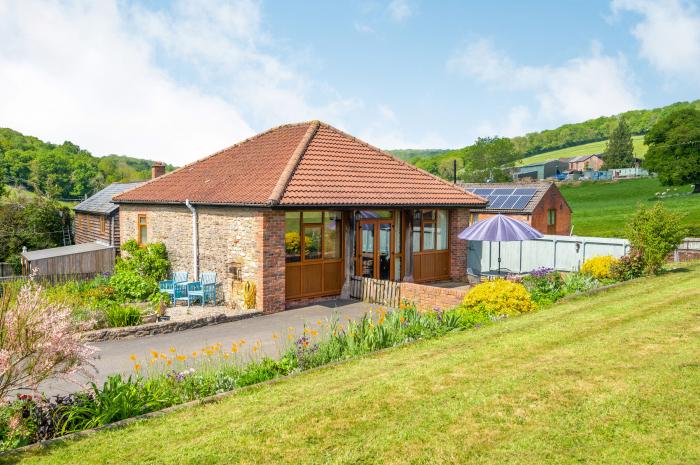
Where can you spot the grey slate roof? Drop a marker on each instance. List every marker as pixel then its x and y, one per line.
pixel 585 157
pixel 542 188
pixel 101 202
pixel 67 250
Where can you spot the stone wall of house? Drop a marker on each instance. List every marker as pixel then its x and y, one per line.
pixel 459 220
pixel 228 242
pixel 426 297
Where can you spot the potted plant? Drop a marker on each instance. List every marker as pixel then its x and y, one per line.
pixel 160 301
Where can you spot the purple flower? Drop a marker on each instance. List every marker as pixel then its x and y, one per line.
pixel 541 272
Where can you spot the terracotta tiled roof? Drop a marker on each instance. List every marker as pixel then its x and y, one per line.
pixel 305 164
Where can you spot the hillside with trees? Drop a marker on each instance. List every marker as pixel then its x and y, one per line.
pixel 62 171
pixel 638 122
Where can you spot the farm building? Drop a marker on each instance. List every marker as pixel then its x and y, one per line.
pixel 78 260
pixel 539 204
pixel 97 218
pixel 543 170
pixel 302 210
pixel 592 162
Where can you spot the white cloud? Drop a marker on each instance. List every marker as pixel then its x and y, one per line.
pixel 384 130
pixel 172 85
pixel 581 88
pixel 400 10
pixel 668 34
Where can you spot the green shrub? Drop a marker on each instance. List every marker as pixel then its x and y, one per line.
pixel 655 232
pixel 545 288
pixel 149 262
pixel 628 267
pixel 122 315
pixel 579 282
pixel 499 297
pixel 132 287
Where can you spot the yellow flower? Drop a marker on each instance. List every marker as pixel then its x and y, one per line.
pixel 255 348
pixel 163 356
pixel 137 367
pixel 133 357
pixel 194 354
pixel 314 332
pixel 234 349
pixel 319 323
pixel 275 336
pixel 241 342
pixel 290 337
pixel 154 353
pixel 290 329
pixel 152 361
pixel 172 349
pixel 226 355
pixel 181 358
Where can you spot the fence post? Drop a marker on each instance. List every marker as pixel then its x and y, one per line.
pixel 554 254
pixel 520 263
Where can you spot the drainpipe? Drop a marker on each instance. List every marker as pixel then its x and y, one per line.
pixel 195 239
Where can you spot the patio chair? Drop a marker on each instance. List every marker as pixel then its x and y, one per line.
pixel 168 286
pixel 203 290
pixel 472 277
pixel 180 293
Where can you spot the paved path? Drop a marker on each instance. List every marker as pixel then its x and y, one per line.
pixel 114 356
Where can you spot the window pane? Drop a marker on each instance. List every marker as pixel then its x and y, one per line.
pixel 428 215
pixel 292 236
pixel 312 242
pixel 442 233
pixel 373 214
pixel 428 236
pixel 398 243
pixel 416 231
pixel 143 234
pixel 333 229
pixel 142 220
pixel 312 217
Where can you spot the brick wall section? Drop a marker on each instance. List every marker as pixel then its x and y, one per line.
pixel 554 200
pixel 228 241
pixel 271 257
pixel 429 298
pixel 459 220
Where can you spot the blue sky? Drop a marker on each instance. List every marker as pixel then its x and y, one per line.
pixel 177 80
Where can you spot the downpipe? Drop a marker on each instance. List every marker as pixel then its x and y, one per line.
pixel 195 238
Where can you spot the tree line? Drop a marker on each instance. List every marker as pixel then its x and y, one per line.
pixel 62 171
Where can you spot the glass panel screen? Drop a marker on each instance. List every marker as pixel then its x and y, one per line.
pixel 442 233
pixel 312 217
pixel 312 242
pixel 333 231
pixel 428 236
pixel 397 233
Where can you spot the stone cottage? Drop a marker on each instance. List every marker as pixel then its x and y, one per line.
pixel 298 210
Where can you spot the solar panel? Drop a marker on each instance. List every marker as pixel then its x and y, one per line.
pixel 521 202
pixel 502 191
pixel 528 191
pixel 497 201
pixel 482 191
pixel 509 202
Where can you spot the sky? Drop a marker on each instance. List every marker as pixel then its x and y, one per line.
pixel 177 80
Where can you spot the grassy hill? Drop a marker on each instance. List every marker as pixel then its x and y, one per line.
pixel 603 208
pixel 584 149
pixel 610 378
pixel 407 154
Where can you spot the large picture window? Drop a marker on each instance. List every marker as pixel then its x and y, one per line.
pixel 430 230
pixel 318 234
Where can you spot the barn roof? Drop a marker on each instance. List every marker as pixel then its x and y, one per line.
pixel 101 202
pixel 301 165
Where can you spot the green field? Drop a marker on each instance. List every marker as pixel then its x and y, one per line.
pixel 611 378
pixel 603 208
pixel 584 149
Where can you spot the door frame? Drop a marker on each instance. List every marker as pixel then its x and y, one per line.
pixel 376 222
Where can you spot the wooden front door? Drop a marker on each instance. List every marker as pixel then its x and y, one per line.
pixel 375 243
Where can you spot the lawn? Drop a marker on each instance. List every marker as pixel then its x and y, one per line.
pixel 584 149
pixel 602 208
pixel 611 378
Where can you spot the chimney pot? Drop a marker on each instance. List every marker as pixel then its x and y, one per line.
pixel 157 170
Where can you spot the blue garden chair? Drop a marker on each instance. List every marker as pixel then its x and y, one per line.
pixel 168 286
pixel 203 290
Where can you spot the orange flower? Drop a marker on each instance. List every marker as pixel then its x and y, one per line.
pixel 170 362
pixel 241 342
pixel 154 353
pixel 275 336
pixel 137 367
pixel 181 358
pixel 133 357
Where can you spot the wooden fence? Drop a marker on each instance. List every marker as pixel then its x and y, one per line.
pixel 688 250
pixel 375 291
pixel 6 270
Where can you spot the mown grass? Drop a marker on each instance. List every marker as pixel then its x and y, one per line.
pixel 603 208
pixel 584 149
pixel 610 378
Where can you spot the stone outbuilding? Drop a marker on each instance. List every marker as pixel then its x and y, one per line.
pixel 298 210
pixel 539 204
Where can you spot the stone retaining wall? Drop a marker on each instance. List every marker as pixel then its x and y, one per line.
pixel 162 327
